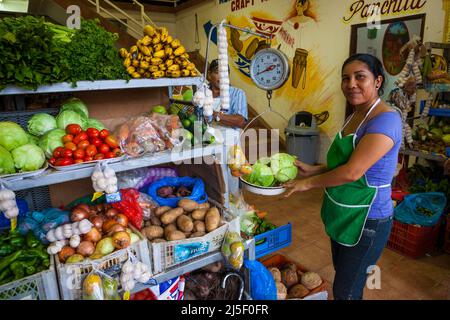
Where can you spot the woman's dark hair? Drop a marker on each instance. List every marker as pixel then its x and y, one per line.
pixel 374 64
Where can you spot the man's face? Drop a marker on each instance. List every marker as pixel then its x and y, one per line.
pixel 213 78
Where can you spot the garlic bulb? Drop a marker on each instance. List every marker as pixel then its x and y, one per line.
pixel 75 241
pixel 222 45
pixel 6 194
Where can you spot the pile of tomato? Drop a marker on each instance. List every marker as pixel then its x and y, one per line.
pixel 83 146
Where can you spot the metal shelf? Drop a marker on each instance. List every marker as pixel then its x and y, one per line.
pixel 431 157
pixel 54 176
pixel 105 85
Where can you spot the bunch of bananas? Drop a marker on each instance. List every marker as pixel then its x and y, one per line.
pixel 158 55
pixel 438 63
pixel 434 68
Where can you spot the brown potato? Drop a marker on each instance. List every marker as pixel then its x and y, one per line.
pixel 153 232
pixel 289 277
pixel 160 210
pixel 185 223
pixel 276 274
pixel 188 205
pixel 169 228
pixel 297 291
pixel 155 221
pixel 170 216
pixel 197 234
pixel 199 214
pixel 176 235
pixel 212 219
pixel 199 226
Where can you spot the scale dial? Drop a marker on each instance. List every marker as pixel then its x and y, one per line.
pixel 269 69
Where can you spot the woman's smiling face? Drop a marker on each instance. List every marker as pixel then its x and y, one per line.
pixel 359 85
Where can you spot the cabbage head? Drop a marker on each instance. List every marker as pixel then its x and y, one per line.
pixel 261 175
pixel 50 141
pixel 6 162
pixel 94 123
pixel 28 157
pixel 12 135
pixel 67 117
pixel 41 123
pixel 32 139
pixel 283 168
pixel 75 104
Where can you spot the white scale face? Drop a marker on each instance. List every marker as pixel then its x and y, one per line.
pixel 269 69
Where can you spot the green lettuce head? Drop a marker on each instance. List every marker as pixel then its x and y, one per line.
pixel 67 117
pixel 50 141
pixel 12 135
pixel 94 123
pixel 283 167
pixel 28 157
pixel 6 162
pixel 41 123
pixel 75 104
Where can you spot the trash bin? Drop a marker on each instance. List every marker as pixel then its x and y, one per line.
pixel 302 137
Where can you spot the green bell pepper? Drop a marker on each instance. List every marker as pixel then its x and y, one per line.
pixel 18 270
pixel 18 242
pixel 5 250
pixel 30 267
pixel 6 276
pixel 6 261
pixel 31 240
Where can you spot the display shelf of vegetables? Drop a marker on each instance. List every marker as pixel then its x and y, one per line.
pixel 104 85
pixel 53 176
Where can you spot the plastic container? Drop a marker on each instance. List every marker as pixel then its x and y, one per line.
pixel 39 286
pixel 413 240
pixel 277 260
pixel 273 240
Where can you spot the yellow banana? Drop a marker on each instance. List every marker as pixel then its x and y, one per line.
pixel 157 47
pixel 135 63
pixel 169 39
pixel 168 51
pixel 146 40
pixel 164 31
pixel 127 62
pixel 162 67
pixel 149 30
pixel 147 75
pixel 158 74
pixel 184 63
pixel 123 52
pixel 133 49
pixel 175 43
pixel 156 39
pixel 185 56
pixel 179 51
pixel 131 69
pixel 144 65
pixel 190 66
pixel 136 75
pixel 147 51
pixel 174 67
pixel 159 54
pixel 164 38
pixel 185 73
pixel 153 68
pixel 175 74
pixel 195 73
pixel 172 56
pixel 156 61
pixel 141 71
pixel 169 62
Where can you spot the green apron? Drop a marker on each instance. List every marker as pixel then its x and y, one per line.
pixel 345 208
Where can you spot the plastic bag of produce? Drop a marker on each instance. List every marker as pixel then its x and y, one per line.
pixel 196 185
pixel 424 209
pixel 93 286
pixel 141 178
pixel 23 209
pixel 129 206
pixel 147 204
pixel 262 284
pixel 233 246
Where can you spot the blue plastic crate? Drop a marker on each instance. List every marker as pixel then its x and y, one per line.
pixel 273 240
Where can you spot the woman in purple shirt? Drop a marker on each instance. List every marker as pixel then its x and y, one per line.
pixel 357 209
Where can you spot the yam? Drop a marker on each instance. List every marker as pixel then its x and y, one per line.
pixel 175 235
pixel 199 214
pixel 160 210
pixel 276 274
pixel 281 290
pixel 197 234
pixel 185 223
pixel 169 228
pixel 199 226
pixel 298 291
pixel 170 216
pixel 289 278
pixel 311 280
pixel 153 232
pixel 212 219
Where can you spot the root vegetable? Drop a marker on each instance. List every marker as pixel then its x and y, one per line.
pixel 111 213
pixel 311 280
pixel 289 278
pixel 65 253
pixel 281 291
pixel 213 267
pixel 97 221
pixel 171 215
pixel 160 210
pixel 121 219
pixel 121 239
pixel 84 226
pixel 79 214
pixel 59 233
pixel 153 232
pixel 108 224
pixel 176 235
pixel 86 248
pixel 164 192
pixel 199 226
pixel 93 236
pixel 155 221
pixel 116 228
pixel 276 274
pixel 199 214
pixel 51 235
pixel 197 234
pixel 212 219
pixel 75 241
pixel 290 265
pixel 185 223
pixel 188 205
pixel 169 228
pixel 297 291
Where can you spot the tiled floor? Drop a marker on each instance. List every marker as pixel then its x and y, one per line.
pixel 427 278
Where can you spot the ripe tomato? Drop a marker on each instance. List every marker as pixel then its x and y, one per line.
pixel 83 144
pixel 104 148
pixel 52 160
pixel 88 158
pixel 91 150
pixel 67 138
pixel 70 145
pixel 103 134
pixel 110 155
pixel 78 161
pixel 117 152
pixel 57 152
pixel 112 141
pixel 92 132
pixel 79 154
pixel 67 153
pixel 73 129
pixel 63 162
pixel 80 137
pixel 99 156
pixel 96 142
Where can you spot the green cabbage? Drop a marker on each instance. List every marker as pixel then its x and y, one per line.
pixel 261 175
pixel 94 123
pixel 6 162
pixel 32 139
pixel 67 117
pixel 76 105
pixel 28 157
pixel 50 141
pixel 41 123
pixel 283 168
pixel 12 135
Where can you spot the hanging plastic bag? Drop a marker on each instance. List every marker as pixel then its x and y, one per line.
pixel 262 284
pixel 141 178
pixel 424 209
pixel 129 206
pixel 133 271
pixel 147 205
pixel 233 246
pixel 197 194
pixel 93 286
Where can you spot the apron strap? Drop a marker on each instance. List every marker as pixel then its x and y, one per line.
pixel 367 114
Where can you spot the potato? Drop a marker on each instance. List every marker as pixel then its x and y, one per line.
pixel 289 278
pixel 155 221
pixel 170 216
pixel 197 234
pixel 185 223
pixel 199 214
pixel 160 210
pixel 169 228
pixel 153 232
pixel 188 205
pixel 176 235
pixel 204 206
pixel 159 240
pixel 311 280
pixel 290 265
pixel 276 274
pixel 298 291
pixel 212 219
pixel 199 226
pixel 281 290
pixel 187 234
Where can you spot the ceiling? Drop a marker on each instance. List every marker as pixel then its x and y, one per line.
pixel 163 4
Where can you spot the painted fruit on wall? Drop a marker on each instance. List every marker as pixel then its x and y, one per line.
pixel 396 36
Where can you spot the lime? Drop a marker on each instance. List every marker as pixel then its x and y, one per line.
pixel 186 123
pixel 192 118
pixel 188 135
pixel 187 95
pixel 160 109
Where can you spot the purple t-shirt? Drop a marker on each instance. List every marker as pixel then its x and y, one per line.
pixel 382 172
